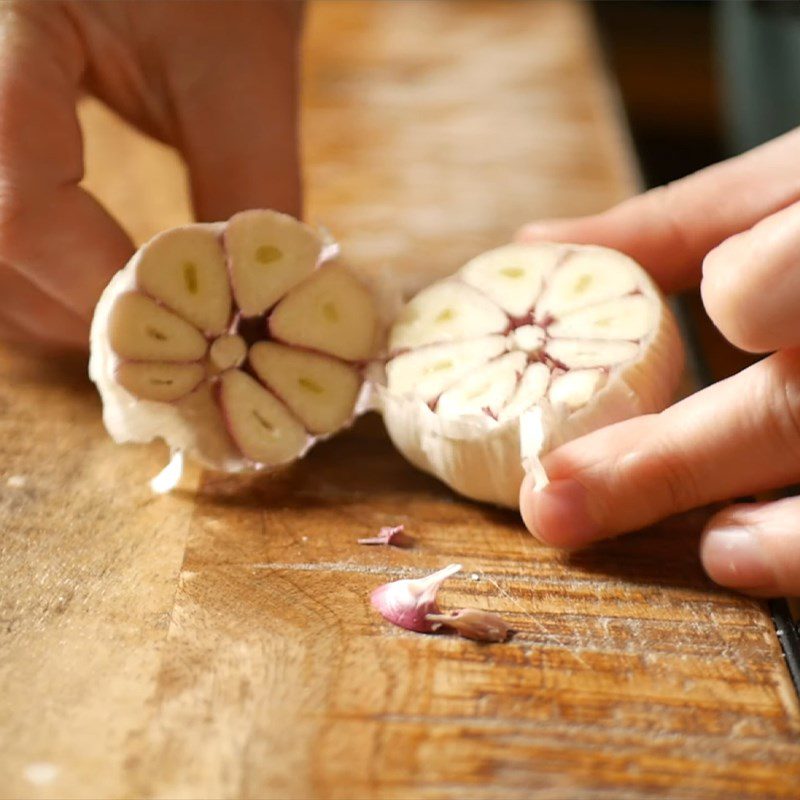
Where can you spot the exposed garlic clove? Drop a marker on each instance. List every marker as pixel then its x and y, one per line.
pixel 575 388
pixel 621 318
pixel 512 276
pixel 488 388
pixel 269 254
pixel 472 623
pixel 159 380
pixel 586 276
pixel 320 390
pixel 528 338
pixel 587 339
pixel 428 371
pixel 171 333
pixel 391 535
pixel 580 353
pixel 139 328
pixel 227 352
pixel 258 422
pixel 530 389
pixel 184 268
pixel 331 313
pixel 406 603
pixel 445 312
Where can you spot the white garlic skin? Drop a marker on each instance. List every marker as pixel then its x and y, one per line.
pixel 480 458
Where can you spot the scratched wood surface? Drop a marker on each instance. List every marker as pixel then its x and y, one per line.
pixel 218 642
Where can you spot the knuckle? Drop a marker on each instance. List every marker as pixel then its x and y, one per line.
pixel 664 480
pixel 680 487
pixel 730 296
pixel 669 205
pixel 783 404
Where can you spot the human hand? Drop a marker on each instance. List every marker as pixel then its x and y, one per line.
pixel 216 80
pixel 740 221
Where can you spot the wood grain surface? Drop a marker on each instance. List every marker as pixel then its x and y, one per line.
pixel 219 642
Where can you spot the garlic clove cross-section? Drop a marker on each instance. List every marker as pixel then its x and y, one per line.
pixel 234 342
pixel 580 334
pixel 320 390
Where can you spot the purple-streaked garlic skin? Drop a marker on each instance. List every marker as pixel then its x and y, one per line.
pixel 393 535
pixel 189 314
pixel 473 623
pixel 408 602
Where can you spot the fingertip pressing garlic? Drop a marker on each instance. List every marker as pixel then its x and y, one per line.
pixel 408 602
pixel 234 342
pixel 524 348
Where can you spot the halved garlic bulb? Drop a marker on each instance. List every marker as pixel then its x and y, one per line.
pixel 580 334
pixel 234 342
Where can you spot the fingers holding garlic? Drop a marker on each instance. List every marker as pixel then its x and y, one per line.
pixel 710 446
pixel 579 332
pixel 234 342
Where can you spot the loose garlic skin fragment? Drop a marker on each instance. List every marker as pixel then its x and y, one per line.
pixel 183 334
pixel 579 332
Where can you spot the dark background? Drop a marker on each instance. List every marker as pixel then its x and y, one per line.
pixel 664 59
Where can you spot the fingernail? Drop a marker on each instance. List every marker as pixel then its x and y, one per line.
pixel 734 557
pixel 537 230
pixel 562 516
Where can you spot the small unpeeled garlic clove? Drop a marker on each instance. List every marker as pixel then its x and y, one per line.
pixel 407 603
pixel 472 623
pixel 390 534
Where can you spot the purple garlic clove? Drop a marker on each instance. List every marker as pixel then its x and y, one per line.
pixel 407 603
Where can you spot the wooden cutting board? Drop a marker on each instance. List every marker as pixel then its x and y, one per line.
pixel 219 642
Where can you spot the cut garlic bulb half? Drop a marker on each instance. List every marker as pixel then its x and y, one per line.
pixel 234 342
pixel 581 334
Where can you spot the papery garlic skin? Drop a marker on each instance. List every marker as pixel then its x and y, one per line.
pixel 473 319
pixel 208 422
pixel 170 477
pixel 475 624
